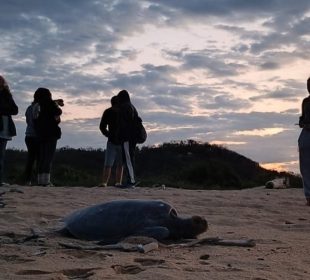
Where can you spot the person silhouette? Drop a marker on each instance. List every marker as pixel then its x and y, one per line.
pixel 109 127
pixel 7 126
pixel 31 139
pixel 128 114
pixel 48 131
pixel 304 144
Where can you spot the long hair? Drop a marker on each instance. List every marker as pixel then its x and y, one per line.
pixel 42 96
pixel 6 88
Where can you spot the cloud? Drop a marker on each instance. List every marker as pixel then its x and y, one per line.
pixel 235 57
pixel 241 10
pixel 290 91
pixel 224 101
pixel 269 65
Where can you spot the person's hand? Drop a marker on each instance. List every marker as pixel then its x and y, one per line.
pixel 59 102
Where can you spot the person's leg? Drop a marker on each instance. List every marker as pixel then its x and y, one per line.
pixel 128 163
pixel 32 153
pixel 36 155
pixel 108 163
pixel 47 152
pixel 106 176
pixel 119 174
pixel 304 162
pixel 3 143
pixel 41 160
pixel 132 152
pixel 119 165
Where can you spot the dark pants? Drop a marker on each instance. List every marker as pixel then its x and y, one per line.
pixel 3 143
pixel 46 155
pixel 304 159
pixel 33 149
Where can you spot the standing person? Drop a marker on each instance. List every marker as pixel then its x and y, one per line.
pixel 31 139
pixel 128 114
pixel 48 132
pixel 109 127
pixel 304 144
pixel 7 126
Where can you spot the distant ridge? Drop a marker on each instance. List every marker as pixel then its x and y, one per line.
pixel 192 164
pixel 181 164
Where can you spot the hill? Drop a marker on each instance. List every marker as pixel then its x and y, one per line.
pixel 185 164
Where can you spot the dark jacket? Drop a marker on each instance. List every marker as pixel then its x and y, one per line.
pixel 128 114
pixel 109 125
pixel 305 112
pixel 8 108
pixel 46 125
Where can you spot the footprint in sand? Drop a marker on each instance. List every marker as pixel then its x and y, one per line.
pixel 87 254
pixel 15 259
pixel 32 272
pixel 79 273
pixel 149 262
pixel 127 269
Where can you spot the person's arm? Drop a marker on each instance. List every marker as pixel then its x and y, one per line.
pixel 56 111
pixel 103 125
pixel 302 122
pixel 8 107
pixel 27 114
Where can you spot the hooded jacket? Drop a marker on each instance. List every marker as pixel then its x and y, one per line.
pixel 128 114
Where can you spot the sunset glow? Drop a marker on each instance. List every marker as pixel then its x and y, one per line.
pixel 231 73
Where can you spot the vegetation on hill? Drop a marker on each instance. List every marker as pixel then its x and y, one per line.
pixel 185 164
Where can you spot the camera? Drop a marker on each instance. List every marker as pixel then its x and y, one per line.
pixel 59 102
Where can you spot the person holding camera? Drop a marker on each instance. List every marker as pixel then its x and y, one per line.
pixel 47 129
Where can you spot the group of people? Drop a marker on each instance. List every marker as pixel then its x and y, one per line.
pixel 43 131
pixel 117 122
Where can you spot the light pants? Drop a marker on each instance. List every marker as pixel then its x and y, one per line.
pixel 128 155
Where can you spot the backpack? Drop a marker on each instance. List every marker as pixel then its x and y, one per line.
pixel 140 134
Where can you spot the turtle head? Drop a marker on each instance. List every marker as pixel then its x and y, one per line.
pixel 194 226
pixel 199 225
pixel 188 228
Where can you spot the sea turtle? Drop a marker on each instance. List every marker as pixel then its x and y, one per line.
pixel 113 221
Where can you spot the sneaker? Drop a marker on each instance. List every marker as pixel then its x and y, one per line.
pixel 136 184
pixel 4 184
pixel 130 185
pixel 103 185
pixel 47 185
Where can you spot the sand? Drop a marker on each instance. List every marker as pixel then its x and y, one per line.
pixel 277 220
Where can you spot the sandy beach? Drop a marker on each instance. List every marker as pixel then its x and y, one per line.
pixel 277 220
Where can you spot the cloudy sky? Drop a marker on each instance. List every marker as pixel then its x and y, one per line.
pixel 231 72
